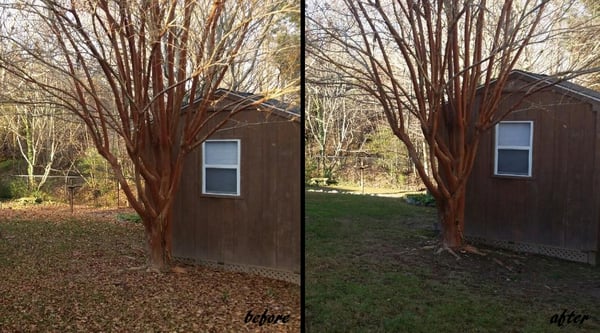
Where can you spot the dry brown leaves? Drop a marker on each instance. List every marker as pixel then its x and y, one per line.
pixel 69 273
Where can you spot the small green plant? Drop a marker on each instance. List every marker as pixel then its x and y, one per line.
pixel 310 169
pixel 40 196
pixel 129 217
pixel 225 296
pixel 8 166
pixel 5 190
pixel 18 188
pixel 423 199
pixel 271 293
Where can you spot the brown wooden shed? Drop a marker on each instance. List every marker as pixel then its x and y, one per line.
pixel 535 185
pixel 238 205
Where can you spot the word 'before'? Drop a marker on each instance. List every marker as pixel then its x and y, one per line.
pixel 265 318
pixel 571 318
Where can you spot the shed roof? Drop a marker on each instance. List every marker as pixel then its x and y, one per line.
pixel 284 109
pixel 558 83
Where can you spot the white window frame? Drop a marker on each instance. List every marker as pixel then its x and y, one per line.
pixel 529 148
pixel 221 166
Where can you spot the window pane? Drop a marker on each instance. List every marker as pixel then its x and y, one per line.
pixel 221 152
pixel 514 134
pixel 221 181
pixel 514 162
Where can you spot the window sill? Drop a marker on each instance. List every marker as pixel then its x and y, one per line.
pixel 509 177
pixel 221 196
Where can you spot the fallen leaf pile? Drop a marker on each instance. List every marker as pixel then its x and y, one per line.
pixel 66 272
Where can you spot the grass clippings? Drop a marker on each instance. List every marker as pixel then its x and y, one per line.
pixel 76 273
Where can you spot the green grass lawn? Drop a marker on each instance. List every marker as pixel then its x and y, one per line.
pixel 370 267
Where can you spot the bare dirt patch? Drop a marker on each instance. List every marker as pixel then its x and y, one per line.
pixel 513 274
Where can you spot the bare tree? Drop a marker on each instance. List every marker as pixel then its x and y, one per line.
pixel 582 41
pixel 335 117
pixel 330 123
pixel 128 67
pixel 428 60
pixel 41 136
pixel 273 56
pixel 36 135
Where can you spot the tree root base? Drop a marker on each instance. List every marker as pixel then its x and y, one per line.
pixel 463 249
pixel 445 247
pixel 150 269
pixel 147 268
pixel 472 249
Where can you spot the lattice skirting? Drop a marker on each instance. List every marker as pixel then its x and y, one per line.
pixel 551 251
pixel 257 270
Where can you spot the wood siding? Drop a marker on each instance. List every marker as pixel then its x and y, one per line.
pixel 559 205
pixel 262 226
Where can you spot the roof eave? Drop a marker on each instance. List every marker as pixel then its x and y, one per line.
pixel 557 83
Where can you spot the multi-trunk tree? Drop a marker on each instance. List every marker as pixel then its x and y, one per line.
pixel 436 62
pixel 128 68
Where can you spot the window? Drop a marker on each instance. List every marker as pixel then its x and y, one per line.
pixel 513 148
pixel 221 167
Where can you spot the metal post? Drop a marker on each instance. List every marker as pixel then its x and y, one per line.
pixel 362 180
pixel 71 188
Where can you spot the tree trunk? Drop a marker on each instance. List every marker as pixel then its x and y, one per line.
pixel 159 243
pixel 425 157
pixel 452 220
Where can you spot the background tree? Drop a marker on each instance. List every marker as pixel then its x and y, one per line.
pixel 272 57
pixel 426 60
pixel 39 134
pixel 35 131
pixel 128 68
pixel 331 123
pixel 582 40
pixel 287 57
pixel 338 117
pixel 43 138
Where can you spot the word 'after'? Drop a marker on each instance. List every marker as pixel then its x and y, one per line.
pixel 571 318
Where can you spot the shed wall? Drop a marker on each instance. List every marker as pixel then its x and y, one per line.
pixel 261 227
pixel 557 206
